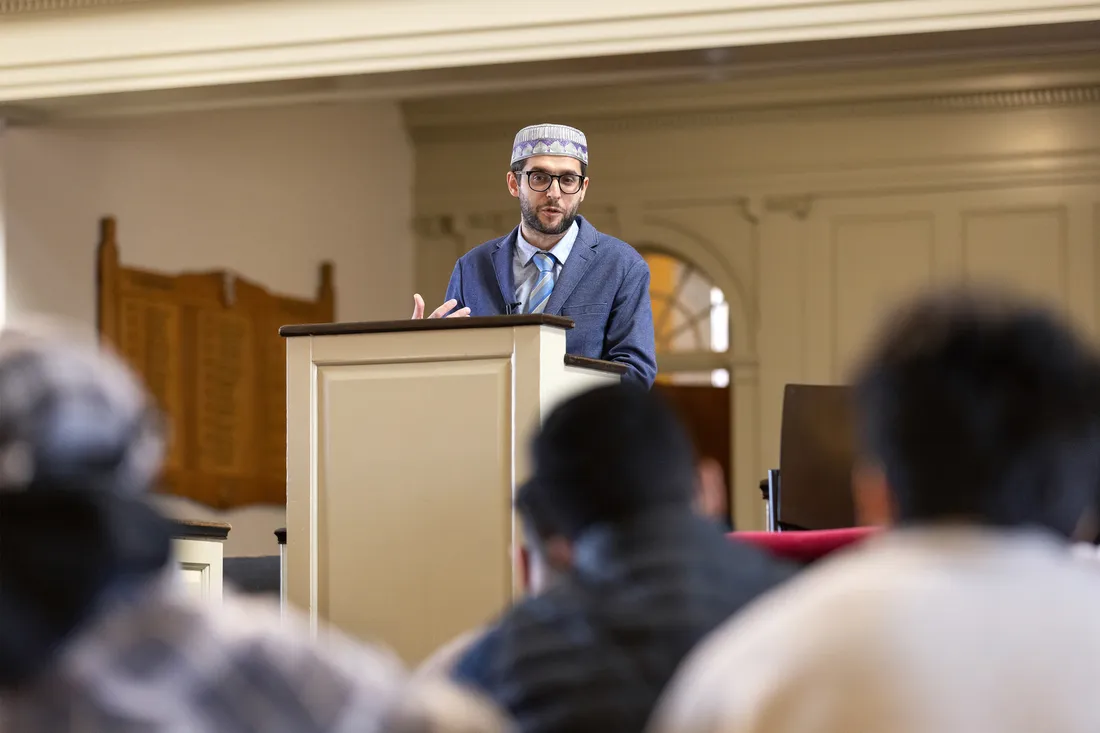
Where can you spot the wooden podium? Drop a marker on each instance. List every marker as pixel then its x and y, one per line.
pixel 405 442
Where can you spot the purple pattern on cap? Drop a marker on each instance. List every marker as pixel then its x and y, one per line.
pixel 547 139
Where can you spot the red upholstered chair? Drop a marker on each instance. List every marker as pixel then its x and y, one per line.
pixel 804 547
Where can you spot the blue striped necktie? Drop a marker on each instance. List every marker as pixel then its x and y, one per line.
pixel 540 294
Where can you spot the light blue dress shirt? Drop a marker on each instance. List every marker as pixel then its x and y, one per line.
pixel 525 273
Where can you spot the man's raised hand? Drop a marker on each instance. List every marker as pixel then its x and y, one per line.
pixel 443 311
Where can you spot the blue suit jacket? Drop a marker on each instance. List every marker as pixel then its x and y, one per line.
pixel 603 287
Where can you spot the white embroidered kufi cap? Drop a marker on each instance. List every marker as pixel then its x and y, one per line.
pixel 547 139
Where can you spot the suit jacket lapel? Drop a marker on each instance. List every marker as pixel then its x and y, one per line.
pixel 502 265
pixel 584 251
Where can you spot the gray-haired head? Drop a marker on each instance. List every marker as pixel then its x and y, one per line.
pixel 73 416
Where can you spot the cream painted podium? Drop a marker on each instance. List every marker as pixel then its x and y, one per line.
pixel 405 442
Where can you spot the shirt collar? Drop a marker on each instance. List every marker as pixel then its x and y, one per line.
pixel 560 250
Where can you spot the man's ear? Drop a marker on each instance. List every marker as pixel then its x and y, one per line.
pixel 559 553
pixel 513 184
pixel 1088 527
pixel 710 490
pixel 874 502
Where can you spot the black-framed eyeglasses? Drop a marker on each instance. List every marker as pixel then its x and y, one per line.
pixel 540 181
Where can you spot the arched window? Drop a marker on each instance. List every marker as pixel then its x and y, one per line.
pixel 690 315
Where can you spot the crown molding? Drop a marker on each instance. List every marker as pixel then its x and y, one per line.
pixel 797 205
pixel 1058 97
pixel 973 85
pixel 25 7
pixel 670 83
pixel 163 45
pixel 915 104
pixel 903 78
pixel 735 114
pixel 759 75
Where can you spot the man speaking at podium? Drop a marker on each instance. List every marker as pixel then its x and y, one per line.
pixel 555 262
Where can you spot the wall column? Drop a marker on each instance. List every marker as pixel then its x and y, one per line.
pixel 748 505
pixel 782 339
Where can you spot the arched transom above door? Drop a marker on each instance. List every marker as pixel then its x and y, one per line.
pixel 691 321
pixel 690 312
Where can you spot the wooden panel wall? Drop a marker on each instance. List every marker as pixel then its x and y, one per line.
pixel 208 347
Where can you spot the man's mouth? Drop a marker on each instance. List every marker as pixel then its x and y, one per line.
pixel 551 210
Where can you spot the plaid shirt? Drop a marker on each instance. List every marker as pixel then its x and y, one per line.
pixel 160 662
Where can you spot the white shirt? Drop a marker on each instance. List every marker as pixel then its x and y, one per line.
pixel 525 273
pixel 917 631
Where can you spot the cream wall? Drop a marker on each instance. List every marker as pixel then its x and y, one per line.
pixel 266 193
pixel 813 216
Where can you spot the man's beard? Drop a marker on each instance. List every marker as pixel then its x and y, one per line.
pixel 531 218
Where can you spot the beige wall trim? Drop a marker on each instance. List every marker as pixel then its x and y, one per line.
pixel 155 45
pixel 1008 83
pixel 593 121
pixel 792 192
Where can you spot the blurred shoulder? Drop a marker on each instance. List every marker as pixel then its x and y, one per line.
pixel 801 635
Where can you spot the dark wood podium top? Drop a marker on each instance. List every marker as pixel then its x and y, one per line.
pixel 598 365
pixel 189 529
pixel 443 324
pixel 423 324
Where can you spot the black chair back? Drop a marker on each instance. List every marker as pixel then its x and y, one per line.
pixel 816 455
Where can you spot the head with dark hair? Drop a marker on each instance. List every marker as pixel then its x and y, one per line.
pixel 613 453
pixel 979 407
pixel 536 510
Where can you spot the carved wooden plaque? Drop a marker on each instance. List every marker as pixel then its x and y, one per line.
pixel 208 346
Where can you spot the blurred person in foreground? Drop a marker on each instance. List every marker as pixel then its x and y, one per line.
pixel 95 632
pixel 647 577
pixel 548 555
pixel 979 419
